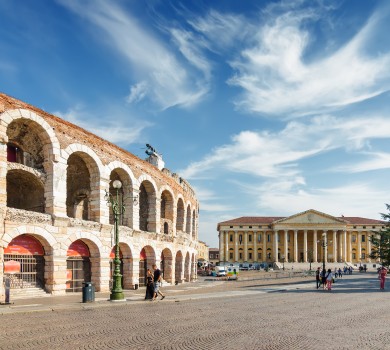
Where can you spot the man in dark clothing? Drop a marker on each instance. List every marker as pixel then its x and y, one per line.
pixel 318 278
pixel 157 278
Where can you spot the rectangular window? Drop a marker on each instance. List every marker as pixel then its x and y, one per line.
pixel 231 238
pixel 363 238
pixel 250 226
pixel 216 256
pixel 240 255
pixel 363 255
pixel 259 256
pixel 353 256
pixel 250 238
pixel 231 256
pixel 288 237
pixel 278 236
pixel 353 238
pixel 250 256
pixel 269 238
pixel 259 237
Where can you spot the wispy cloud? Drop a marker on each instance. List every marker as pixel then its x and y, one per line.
pixel 375 161
pixel 171 80
pixel 115 131
pixel 278 79
pixel 275 154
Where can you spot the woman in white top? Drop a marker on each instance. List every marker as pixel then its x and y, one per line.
pixel 329 279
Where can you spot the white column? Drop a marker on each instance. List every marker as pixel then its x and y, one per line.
pixel 295 245
pixel 368 252
pixel 236 257
pixel 227 246
pixel 335 248
pixel 276 246
pixel 221 246
pixel 285 245
pixel 345 258
pixel 255 259
pixel 246 246
pixel 315 253
pixel 305 246
pixel 349 246
pixel 265 239
pixel 326 246
pixel 359 238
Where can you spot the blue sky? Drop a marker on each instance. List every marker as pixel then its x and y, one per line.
pixel 267 108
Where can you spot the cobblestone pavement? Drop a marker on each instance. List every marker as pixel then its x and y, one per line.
pixel 247 315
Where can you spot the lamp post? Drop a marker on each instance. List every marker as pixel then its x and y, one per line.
pixel 117 209
pixel 324 245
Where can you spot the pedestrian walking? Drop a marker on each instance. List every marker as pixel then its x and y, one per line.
pixel 340 274
pixel 382 277
pixel 318 281
pixel 329 280
pixel 149 294
pixel 157 279
pixel 323 279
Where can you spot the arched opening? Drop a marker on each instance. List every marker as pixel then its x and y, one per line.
pixel 146 259
pixel 147 207
pixel 187 267
pixel 25 191
pixel 78 266
pixel 180 216
pixel 193 225
pixel 166 211
pixel 124 196
pixel 82 187
pixel 188 221
pixel 178 267
pixel 24 262
pixel 166 265
pixel 25 144
pixel 112 265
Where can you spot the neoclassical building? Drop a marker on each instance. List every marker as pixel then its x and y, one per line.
pixel 56 227
pixel 309 236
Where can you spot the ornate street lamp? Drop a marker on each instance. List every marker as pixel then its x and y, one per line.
pixel 117 209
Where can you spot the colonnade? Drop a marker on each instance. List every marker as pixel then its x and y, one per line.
pixel 294 245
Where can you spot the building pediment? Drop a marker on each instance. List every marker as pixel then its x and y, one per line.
pixel 311 217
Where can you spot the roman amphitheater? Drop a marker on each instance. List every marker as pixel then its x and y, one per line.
pixel 57 228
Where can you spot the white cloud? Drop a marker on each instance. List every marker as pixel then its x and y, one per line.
pixel 138 92
pixel 376 161
pixel 278 154
pixel 171 81
pixel 277 79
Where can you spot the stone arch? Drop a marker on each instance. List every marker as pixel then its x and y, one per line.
pixel 27 190
pixel 188 219
pixel 147 257
pixel 94 245
pixel 126 258
pixel 147 204
pixel 166 211
pixel 187 268
pixel 180 215
pixel 83 179
pixel 31 144
pixel 193 224
pixel 166 265
pixel 179 267
pixel 193 267
pixel 125 195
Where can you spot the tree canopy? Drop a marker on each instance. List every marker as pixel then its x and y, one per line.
pixel 380 241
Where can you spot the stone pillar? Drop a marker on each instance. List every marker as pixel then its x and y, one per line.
pixel 286 245
pixel 295 245
pixel 221 246
pixel 227 246
pixel 368 252
pixel 276 235
pixel 265 238
pixel 105 274
pixel 335 248
pixel 255 258
pixel 236 256
pixel 305 246
pixel 359 241
pixel 315 252
pixel 326 246
pixel 55 188
pixel 349 246
pixel 2 291
pixel 246 246
pixel 56 279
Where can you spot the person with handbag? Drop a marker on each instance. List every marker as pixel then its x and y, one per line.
pixel 329 280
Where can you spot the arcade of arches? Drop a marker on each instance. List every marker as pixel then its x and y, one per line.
pixel 57 229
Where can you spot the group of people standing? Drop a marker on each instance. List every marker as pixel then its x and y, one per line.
pixel 324 278
pixel 153 281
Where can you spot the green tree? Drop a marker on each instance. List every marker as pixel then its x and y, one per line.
pixel 380 241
